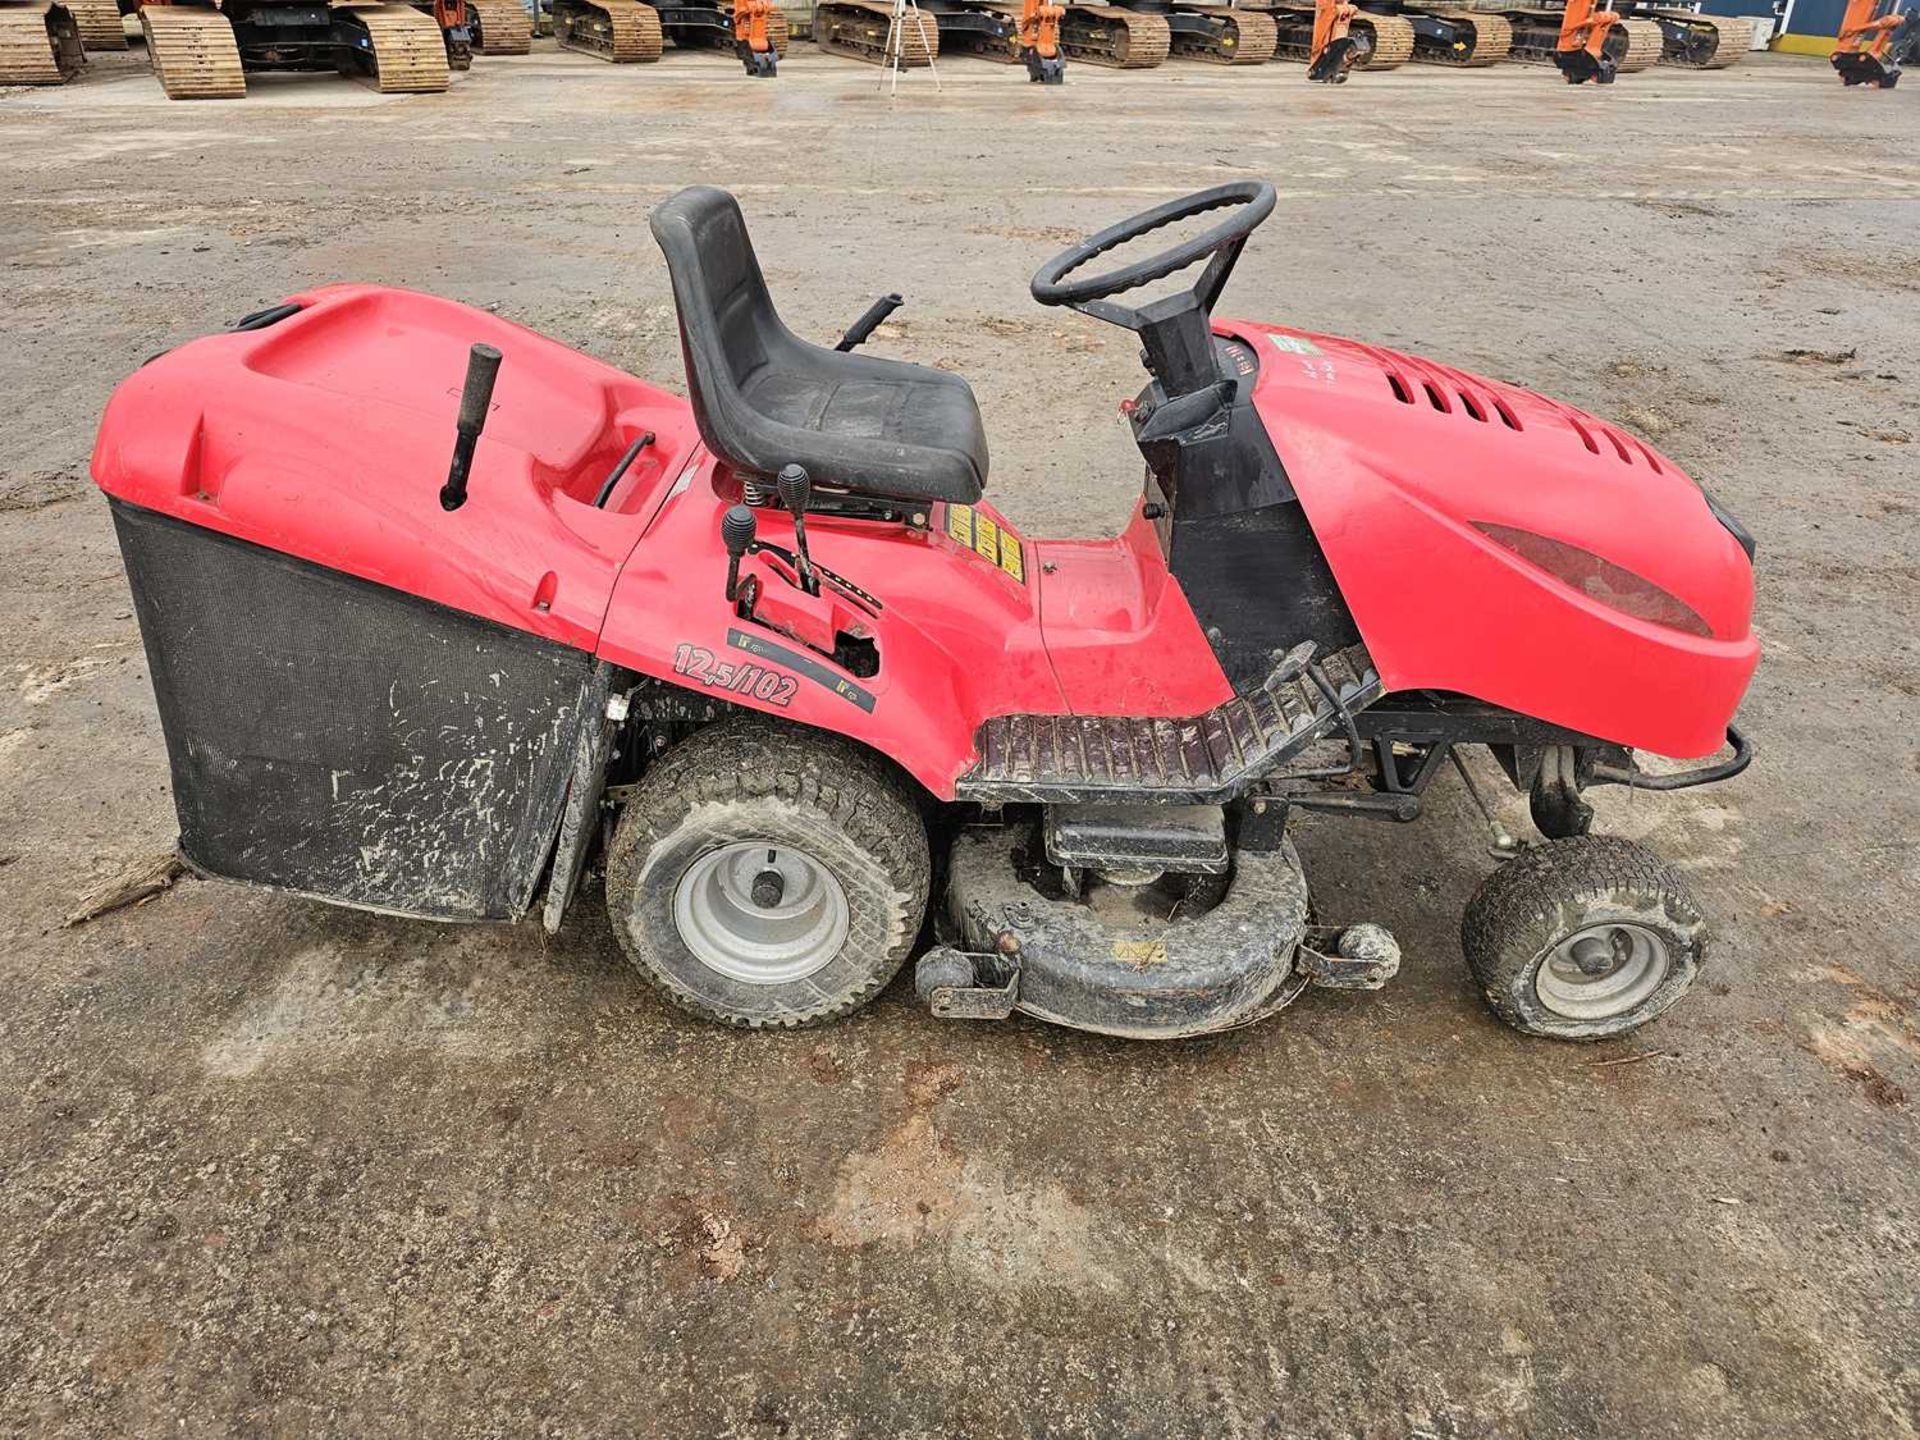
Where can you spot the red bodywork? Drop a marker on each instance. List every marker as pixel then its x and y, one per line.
pixel 326 437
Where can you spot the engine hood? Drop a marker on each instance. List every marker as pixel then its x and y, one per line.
pixel 1496 543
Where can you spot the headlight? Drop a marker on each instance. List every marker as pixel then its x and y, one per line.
pixel 1599 579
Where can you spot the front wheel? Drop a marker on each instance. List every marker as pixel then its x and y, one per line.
pixel 767 876
pixel 1583 938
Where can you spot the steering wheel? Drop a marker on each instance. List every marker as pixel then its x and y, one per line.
pixel 1249 201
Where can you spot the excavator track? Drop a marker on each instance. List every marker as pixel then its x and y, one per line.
pixel 406 50
pixel 622 31
pixel 857 29
pixel 100 23
pixel 39 44
pixel 1702 42
pixel 499 27
pixel 1490 37
pixel 1641 50
pixel 1385 41
pixel 194 54
pixel 1233 36
pixel 1119 39
pixel 1392 40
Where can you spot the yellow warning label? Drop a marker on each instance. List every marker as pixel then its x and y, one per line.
pixel 987 538
pixel 1140 954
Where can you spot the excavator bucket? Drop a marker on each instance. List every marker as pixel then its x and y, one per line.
pixel 1861 54
pixel 753 40
pixel 1581 52
pixel 1040 41
pixel 1333 42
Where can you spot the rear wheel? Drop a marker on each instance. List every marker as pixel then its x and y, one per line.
pixel 1583 938
pixel 768 876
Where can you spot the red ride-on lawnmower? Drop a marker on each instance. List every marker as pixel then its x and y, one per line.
pixel 767 649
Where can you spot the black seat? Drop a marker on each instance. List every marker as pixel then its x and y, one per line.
pixel 766 398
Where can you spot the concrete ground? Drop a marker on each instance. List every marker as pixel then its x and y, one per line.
pixel 269 1168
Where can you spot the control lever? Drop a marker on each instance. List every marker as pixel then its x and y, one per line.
pixel 483 364
pixel 737 527
pixel 858 332
pixel 796 489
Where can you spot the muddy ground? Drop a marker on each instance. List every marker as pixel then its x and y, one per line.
pixel 268 1168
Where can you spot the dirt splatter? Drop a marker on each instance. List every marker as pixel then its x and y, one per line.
pixel 1817 357
pixel 913 1190
pixel 332 1008
pixel 1876 1031
pixel 722 1252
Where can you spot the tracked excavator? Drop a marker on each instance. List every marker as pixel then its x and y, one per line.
pixel 1612 43
pixel 1303 32
pixel 1110 36
pixel 1671 36
pixel 1863 54
pixel 1027 33
pixel 39 43
pixel 628 32
pixel 202 51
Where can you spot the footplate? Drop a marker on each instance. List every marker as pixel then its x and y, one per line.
pixel 1205 760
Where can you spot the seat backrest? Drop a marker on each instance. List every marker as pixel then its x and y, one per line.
pixel 727 320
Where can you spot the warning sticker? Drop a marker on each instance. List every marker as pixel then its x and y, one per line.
pixel 1294 345
pixel 988 539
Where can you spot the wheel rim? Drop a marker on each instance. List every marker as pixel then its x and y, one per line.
pixel 761 913
pixel 1602 971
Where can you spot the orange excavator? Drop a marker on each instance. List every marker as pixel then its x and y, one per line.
pixel 751 39
pixel 1333 42
pixel 1039 38
pixel 1582 51
pixel 1862 55
pixel 1024 32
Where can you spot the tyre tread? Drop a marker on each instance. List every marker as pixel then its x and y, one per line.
pixel 1513 915
pixel 752 757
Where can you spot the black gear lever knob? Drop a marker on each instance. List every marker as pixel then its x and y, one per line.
pixel 737 529
pixel 795 487
pixel 796 490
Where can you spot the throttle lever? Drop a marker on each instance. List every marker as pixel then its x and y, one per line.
pixel 483 365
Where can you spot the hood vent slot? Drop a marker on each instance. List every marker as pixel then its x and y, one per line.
pixel 1477 406
pixel 1624 446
